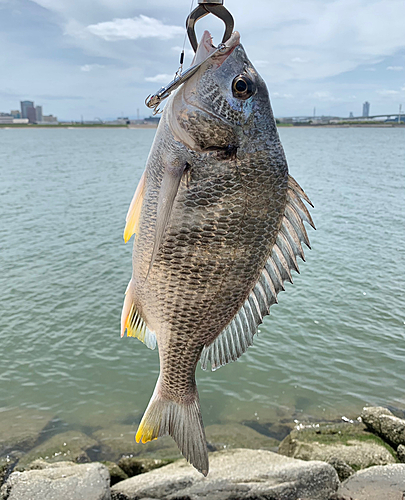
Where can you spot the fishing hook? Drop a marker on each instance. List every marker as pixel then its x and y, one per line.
pixel 204 8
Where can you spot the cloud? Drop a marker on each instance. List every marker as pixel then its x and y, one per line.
pixel 395 68
pixel 90 67
pixel 162 78
pixel 387 93
pixel 187 52
pixel 133 28
pixel 299 60
pixel 277 95
pixel 260 63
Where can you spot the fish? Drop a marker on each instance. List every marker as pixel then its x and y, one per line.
pixel 219 225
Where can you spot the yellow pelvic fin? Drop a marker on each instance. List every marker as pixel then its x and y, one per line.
pixel 134 212
pixel 132 321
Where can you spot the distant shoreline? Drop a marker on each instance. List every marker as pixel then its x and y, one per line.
pixel 154 126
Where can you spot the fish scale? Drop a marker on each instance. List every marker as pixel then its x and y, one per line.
pixel 218 225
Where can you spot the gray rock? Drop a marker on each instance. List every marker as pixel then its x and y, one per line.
pixel 382 422
pixel 6 466
pixel 133 466
pixel 21 430
pixel 239 473
pixel 117 441
pixel 347 442
pixel 59 481
pixel 71 445
pixel 401 453
pixel 222 437
pixel 376 483
pixel 342 468
pixel 116 473
pixel 276 430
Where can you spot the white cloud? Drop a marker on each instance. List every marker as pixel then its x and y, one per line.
pixel 133 28
pixel 260 64
pixel 187 52
pixel 299 60
pixel 162 78
pixel 395 68
pixel 387 92
pixel 90 67
pixel 277 95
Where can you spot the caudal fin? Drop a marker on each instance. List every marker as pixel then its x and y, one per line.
pixel 182 421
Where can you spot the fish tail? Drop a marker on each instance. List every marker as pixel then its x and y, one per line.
pixel 183 421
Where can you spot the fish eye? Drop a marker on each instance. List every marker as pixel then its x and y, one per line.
pixel 242 87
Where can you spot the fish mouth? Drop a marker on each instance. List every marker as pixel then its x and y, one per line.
pixel 206 48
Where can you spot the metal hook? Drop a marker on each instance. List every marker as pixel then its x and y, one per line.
pixel 205 7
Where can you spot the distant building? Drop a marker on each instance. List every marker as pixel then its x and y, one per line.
pixel 38 110
pixel 49 119
pixel 123 120
pixel 351 114
pixel 24 107
pixel 152 119
pixel 31 114
pixel 6 118
pixel 15 113
pixel 20 121
pixel 366 109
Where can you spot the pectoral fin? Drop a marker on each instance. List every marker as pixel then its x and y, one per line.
pixel 168 190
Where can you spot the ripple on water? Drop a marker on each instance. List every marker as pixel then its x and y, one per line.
pixel 334 343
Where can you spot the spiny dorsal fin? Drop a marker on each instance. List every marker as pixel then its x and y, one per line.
pixel 134 211
pixel 132 321
pixel 234 340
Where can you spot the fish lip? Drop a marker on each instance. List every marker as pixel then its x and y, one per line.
pixel 229 46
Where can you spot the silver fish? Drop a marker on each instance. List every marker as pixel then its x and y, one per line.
pixel 219 227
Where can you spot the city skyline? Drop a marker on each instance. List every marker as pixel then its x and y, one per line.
pixel 28 113
pixel 97 58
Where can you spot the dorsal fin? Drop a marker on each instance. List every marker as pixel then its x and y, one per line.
pixel 132 321
pixel 234 340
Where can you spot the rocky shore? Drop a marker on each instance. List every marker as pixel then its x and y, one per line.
pixel 359 459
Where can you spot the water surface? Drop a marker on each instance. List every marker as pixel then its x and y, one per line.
pixel 335 342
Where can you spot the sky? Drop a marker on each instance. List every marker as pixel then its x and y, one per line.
pixel 102 58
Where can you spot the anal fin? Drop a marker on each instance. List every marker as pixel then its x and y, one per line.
pixel 132 321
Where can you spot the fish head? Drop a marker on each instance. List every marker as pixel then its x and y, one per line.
pixel 223 103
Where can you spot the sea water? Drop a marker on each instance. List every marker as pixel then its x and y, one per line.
pixel 334 343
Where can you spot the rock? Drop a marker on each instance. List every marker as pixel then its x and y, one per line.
pixel 6 467
pixel 376 483
pixel 133 466
pixel 119 440
pixel 239 473
pixel 342 468
pixel 347 442
pixel 116 473
pixel 275 430
pixel 382 422
pixel 59 481
pixel 401 453
pixel 221 437
pixel 71 445
pixel 20 431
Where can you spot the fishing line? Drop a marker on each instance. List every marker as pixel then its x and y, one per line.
pixel 180 70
